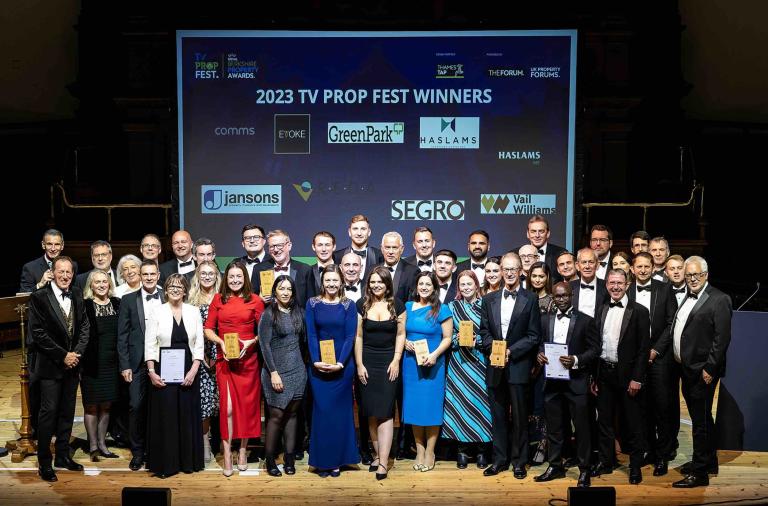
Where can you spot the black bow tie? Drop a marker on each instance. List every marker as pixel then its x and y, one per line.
pixel 444 286
pixel 424 262
pixel 603 264
pixel 66 293
pixel 615 304
pixel 350 288
pixel 522 277
pixel 155 295
pixel 362 253
pixel 678 290
pixel 693 295
pixel 185 264
pixel 541 252
pixel 320 269
pixel 507 293
pixel 249 260
pixel 560 315
pixel 588 287
pixel 391 269
pixel 644 288
pixel 478 266
pixel 283 268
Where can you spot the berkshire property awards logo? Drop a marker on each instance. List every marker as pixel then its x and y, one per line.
pixel 449 133
pixel 245 199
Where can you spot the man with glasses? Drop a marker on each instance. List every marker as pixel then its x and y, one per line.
pixel 150 247
pixel 183 261
pixel 601 241
pixel 588 291
pixel 639 242
pixel 529 255
pixel 279 246
pixel 253 241
pixel 101 258
pixel 510 315
pixel 701 333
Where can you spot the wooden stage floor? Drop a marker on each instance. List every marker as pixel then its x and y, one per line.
pixel 743 478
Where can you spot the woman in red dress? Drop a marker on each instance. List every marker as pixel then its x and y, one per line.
pixel 236 309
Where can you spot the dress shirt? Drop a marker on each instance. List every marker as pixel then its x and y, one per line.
pixel 354 296
pixel 64 302
pixel 249 267
pixel 507 306
pixel 682 317
pixel 479 272
pixel 680 296
pixel 444 291
pixel 149 305
pixel 644 297
pixel 602 269
pixel 561 332
pixel 588 297
pixel 186 268
pixel 612 331
pixel 423 268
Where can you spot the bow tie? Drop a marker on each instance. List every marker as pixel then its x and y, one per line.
pixel 350 288
pixel 560 315
pixel 283 268
pixel 678 290
pixel 693 295
pixel 541 252
pixel 185 264
pixel 478 266
pixel 588 287
pixel 644 288
pixel 615 304
pixel 603 264
pixel 444 286
pixel 155 295
pixel 424 262
pixel 362 253
pixel 507 293
pixel 66 293
pixel 391 269
pixel 249 260
pixel 320 269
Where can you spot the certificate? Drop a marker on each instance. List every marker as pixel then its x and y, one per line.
pixel 327 352
pixel 421 349
pixel 466 333
pixel 554 368
pixel 231 345
pixel 267 279
pixel 172 365
pixel 498 353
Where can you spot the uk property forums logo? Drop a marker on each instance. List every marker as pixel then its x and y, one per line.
pixel 517 203
pixel 449 133
pixel 427 210
pixel 292 134
pixel 242 199
pixel 366 133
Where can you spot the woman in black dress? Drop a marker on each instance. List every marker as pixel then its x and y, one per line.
pixel 174 435
pixel 99 381
pixel 378 349
pixel 282 333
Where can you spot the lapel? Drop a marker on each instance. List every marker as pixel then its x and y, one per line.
pixel 654 297
pixel 292 270
pixel 495 304
pixel 703 296
pixel 602 312
pixel 571 325
pixel 57 309
pixel 552 319
pixel 398 274
pixel 625 320
pixel 632 291
pixel 316 273
pixel 575 300
pixel 140 310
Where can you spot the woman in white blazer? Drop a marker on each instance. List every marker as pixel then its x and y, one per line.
pixel 174 439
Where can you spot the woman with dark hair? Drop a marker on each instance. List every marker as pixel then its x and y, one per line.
pixel 622 260
pixel 378 350
pixel 493 278
pixel 540 281
pixel 424 385
pixel 174 433
pixel 331 316
pixel 467 417
pixel 235 309
pixel 281 334
pixel 99 381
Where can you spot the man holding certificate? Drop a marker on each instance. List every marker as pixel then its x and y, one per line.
pixel 576 332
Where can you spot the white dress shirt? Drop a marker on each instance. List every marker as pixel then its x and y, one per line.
pixel 612 331
pixel 479 272
pixel 249 267
pixel 602 269
pixel 680 319
pixel 186 268
pixel 64 302
pixel 423 268
pixel 561 332
pixel 507 307
pixel 444 291
pixel 680 296
pixel 643 297
pixel 587 297
pixel 151 304
pixel 354 296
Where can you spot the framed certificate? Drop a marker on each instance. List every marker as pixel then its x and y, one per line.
pixel 421 349
pixel 172 365
pixel 231 345
pixel 466 333
pixel 327 351
pixel 267 279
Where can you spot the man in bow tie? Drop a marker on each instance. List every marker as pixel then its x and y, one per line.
pixel 359 232
pixel 403 273
pixel 477 246
pixel 135 311
pixel 350 269
pixel 445 271
pixel 279 246
pixel 659 250
pixel 424 244
pixel 588 291
pixel 60 330
pixel 538 234
pixel 183 261
pixel 601 241
pixel 675 271
pixel 254 239
pixel 323 244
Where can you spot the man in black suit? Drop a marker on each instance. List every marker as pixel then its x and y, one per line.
pixel 659 250
pixel 37 273
pixel 350 269
pixel 359 232
pixel 183 261
pixel 601 242
pixel 254 239
pixel 424 244
pixel 675 271
pixel 588 291
pixel 660 396
pixel 477 246
pixel 60 331
pixel 512 315
pixel 579 332
pixel 135 310
pixel 279 246
pixel 624 328
pixel 323 244
pixel 403 273
pixel 101 258
pixel 538 234
pixel 700 337
pixel 445 271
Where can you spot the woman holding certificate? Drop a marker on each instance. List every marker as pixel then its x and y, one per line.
pixel 234 315
pixel 174 338
pixel 428 331
pixel 331 327
pixel 467 417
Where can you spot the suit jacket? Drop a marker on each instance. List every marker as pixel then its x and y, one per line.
pixel 372 257
pixel 523 335
pixel 48 327
pixel 451 292
pixel 662 312
pixel 131 328
pixel 413 260
pixel 404 280
pixel 172 267
pixel 634 339
pixel 255 273
pixel 583 343
pixel 301 274
pixel 160 328
pixel 601 295
pixel 90 358
pixel 706 334
pixel 33 271
pixel 82 278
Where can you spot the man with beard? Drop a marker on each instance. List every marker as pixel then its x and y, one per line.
pixel 477 246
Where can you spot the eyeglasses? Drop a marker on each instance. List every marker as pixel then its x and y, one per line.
pixel 695 275
pixel 150 246
pixel 509 270
pixel 532 256
pixel 599 240
pixel 277 247
pixel 175 288
pixel 252 238
pixel 207 274
pixel 100 255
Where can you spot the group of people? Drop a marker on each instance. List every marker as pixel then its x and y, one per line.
pixel 459 350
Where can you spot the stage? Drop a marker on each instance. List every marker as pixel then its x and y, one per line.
pixel 743 478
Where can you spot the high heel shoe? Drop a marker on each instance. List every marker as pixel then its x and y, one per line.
pixel 272 468
pixel 380 477
pixel 289 466
pixel 108 454
pixel 94 455
pixel 374 467
pixel 425 468
pixel 418 467
pixel 227 460
pixel 242 467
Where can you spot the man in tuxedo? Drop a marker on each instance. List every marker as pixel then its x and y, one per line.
pixel 659 250
pixel 183 261
pixel 566 266
pixel 477 246
pixel 445 270
pixel 538 234
pixel 601 241
pixel 588 291
pixel 101 258
pixel 675 271
pixel 254 238
pixel 624 328
pixel 660 395
pixel 424 244
pixel 135 310
pixel 279 246
pixel 700 336
pixel 359 232
pixel 323 244
pixel 512 315
pixel 60 330
pixel 150 247
pixel 579 332
pixel 528 256
pixel 639 242
pixel 403 273
pixel 350 269
pixel 38 273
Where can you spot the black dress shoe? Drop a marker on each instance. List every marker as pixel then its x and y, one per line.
pixel 462 460
pixel 687 468
pixel 584 479
pixel 298 455
pixel 552 473
pixel 482 461
pixel 600 469
pixel 661 468
pixel 47 473
pixel 635 475
pixel 272 468
pixel 68 464
pixel 494 470
pixel 520 472
pixel 108 454
pixel 289 465
pixel 692 480
pixel 136 463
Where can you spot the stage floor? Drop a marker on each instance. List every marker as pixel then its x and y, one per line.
pixel 743 478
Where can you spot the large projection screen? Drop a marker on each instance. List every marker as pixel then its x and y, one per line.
pixel 301 130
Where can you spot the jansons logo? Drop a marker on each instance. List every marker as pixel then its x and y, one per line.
pixel 449 133
pixel 245 199
pixel 517 203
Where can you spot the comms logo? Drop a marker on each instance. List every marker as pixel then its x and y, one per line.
pixel 240 69
pixel 517 203
pixel 224 131
pixel 428 210
pixel 505 72
pixel 246 199
pixel 366 133
pixel 449 133
pixel 449 71
pixel 206 67
pixel 292 134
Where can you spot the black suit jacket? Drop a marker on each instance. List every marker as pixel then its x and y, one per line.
pixel 601 296
pixel 33 271
pixel 451 292
pixel 583 343
pixel 523 335
pixel 633 340
pixel 172 267
pixel 414 260
pixel 372 257
pixel 51 340
pixel 90 358
pixel 662 312
pixel 301 274
pixel 706 334
pixel 131 325
pixel 403 280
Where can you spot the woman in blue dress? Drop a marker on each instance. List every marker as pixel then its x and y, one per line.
pixel 424 385
pixel 467 418
pixel 331 315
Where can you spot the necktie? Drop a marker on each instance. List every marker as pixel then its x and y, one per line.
pixel 541 252
pixel 283 268
pixel 155 295
pixel 424 262
pixel 249 260
pixel 478 266
pixel 362 253
pixel 185 264
pixel 693 295
pixel 588 287
pixel 615 304
pixel 444 286
pixel 66 293
pixel 50 264
pixel 603 264
pixel 560 315
pixel 678 290
pixel 350 288
pixel 643 288
pixel 507 293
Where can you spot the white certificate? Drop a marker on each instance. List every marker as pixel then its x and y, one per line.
pixel 554 368
pixel 172 365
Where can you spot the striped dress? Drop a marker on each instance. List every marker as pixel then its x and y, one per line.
pixel 467 412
